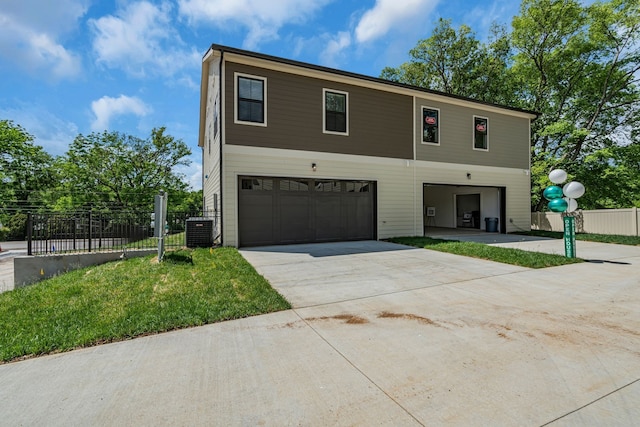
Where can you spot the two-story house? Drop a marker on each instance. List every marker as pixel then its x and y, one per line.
pixel 294 152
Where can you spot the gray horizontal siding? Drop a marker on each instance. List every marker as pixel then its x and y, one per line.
pixel 508 137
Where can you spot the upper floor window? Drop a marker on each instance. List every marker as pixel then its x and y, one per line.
pixel 251 99
pixel 431 125
pixel 336 110
pixel 480 133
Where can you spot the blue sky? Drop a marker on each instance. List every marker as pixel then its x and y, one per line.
pixel 78 66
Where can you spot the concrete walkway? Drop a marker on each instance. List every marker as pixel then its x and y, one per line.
pixel 381 335
pixel 9 251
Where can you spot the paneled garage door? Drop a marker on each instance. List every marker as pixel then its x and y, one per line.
pixel 275 211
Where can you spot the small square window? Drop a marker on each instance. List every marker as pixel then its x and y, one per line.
pixel 251 97
pixel 480 133
pixel 430 125
pixel 336 108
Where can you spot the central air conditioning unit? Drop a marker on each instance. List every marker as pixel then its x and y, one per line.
pixel 199 232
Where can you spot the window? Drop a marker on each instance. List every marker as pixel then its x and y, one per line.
pixel 257 184
pixel 327 186
pixel 431 125
pixel 294 185
pixel 251 100
pixel 480 133
pixel 336 107
pixel 357 187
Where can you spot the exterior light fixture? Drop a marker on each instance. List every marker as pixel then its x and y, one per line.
pixel 468 175
pixel 314 166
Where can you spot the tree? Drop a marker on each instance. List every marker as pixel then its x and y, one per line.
pixel 111 170
pixel 187 201
pixel 455 62
pixel 578 66
pixel 25 169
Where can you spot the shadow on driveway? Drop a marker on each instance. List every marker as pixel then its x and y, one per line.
pixel 319 250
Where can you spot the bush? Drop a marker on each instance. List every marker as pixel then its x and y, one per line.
pixel 5 232
pixel 17 225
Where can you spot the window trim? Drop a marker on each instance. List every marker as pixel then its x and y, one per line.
pixel 236 120
pixel 473 130
pixel 324 112
pixel 424 107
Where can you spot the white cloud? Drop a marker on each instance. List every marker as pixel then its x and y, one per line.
pixel 49 131
pixel 106 107
pixel 192 173
pixel 335 48
pixel 30 31
pixel 387 15
pixel 142 40
pixel 263 19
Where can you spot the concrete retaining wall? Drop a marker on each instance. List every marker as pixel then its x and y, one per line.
pixel 31 269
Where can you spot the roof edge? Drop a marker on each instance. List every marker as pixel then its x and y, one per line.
pixel 257 55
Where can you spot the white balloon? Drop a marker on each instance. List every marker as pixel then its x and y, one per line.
pixel 573 190
pixel 557 176
pixel 572 204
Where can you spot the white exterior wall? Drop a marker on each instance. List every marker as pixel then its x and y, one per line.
pixel 399 185
pixel 394 177
pixel 211 184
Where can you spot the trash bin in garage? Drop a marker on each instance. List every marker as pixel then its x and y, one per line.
pixel 491 224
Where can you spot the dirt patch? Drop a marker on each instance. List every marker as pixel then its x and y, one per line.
pixel 408 316
pixel 347 318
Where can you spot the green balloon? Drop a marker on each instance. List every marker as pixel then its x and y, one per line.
pixel 552 192
pixel 558 205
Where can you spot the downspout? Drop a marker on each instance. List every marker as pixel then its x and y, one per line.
pixel 415 189
pixel 222 127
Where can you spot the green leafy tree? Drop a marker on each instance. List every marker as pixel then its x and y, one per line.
pixel 25 174
pixel 186 201
pixel 454 61
pixel 113 171
pixel 577 65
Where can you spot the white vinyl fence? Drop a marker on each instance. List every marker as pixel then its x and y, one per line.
pixel 623 222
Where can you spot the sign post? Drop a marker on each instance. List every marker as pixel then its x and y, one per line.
pixel 569 236
pixel 567 204
pixel 160 217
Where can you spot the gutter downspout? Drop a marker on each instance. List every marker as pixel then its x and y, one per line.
pixel 222 127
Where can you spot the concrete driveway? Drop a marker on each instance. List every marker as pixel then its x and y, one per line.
pixel 381 334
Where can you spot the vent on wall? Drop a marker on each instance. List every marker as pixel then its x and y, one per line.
pixel 199 233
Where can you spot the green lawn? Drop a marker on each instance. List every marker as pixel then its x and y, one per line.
pixel 602 238
pixel 133 297
pixel 492 253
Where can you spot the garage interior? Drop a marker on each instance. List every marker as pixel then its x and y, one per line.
pixel 463 206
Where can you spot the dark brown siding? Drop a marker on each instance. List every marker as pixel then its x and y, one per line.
pixel 380 123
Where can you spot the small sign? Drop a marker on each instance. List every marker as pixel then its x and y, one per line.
pixel 569 237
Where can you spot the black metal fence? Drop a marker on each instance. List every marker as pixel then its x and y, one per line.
pixel 55 233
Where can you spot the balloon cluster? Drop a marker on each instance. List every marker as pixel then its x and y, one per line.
pixel 554 193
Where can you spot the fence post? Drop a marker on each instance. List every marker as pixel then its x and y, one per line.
pixel 75 230
pixel 29 233
pixel 634 221
pixel 90 229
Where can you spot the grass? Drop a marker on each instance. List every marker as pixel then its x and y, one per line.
pixel 170 240
pixel 601 238
pixel 132 297
pixel 492 253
